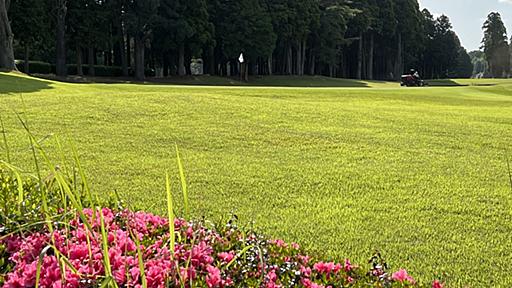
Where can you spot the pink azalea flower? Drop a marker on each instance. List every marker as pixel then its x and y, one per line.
pixel 280 243
pixel 347 266
pixel 213 278
pixel 402 276
pixel 226 257
pixel 437 284
pixel 324 268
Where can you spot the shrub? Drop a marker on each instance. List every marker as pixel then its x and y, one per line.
pixel 139 254
pixel 36 67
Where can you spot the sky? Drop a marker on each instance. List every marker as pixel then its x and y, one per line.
pixel 468 16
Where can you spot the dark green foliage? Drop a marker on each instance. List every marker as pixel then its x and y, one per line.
pixel 244 26
pixel 36 67
pixel 443 57
pixel 495 45
pixel 99 70
pixel 463 67
pixel 28 20
pixel 334 16
pixel 367 39
pixel 140 19
pixel 30 27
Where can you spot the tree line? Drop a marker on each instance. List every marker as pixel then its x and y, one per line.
pixel 364 39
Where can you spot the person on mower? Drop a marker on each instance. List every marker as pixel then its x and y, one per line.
pixel 415 74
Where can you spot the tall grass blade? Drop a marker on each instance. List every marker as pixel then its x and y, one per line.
pixel 65 261
pixel 40 263
pixel 104 242
pixel 19 180
pixel 6 144
pixel 82 173
pixel 183 184
pixel 36 163
pixel 170 213
pixel 239 254
pixel 63 158
pixel 106 282
pixel 140 260
pixel 75 201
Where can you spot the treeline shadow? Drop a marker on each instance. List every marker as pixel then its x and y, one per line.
pixel 207 80
pixel 445 83
pixel 453 83
pixel 13 84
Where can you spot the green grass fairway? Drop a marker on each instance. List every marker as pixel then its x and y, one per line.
pixel 417 173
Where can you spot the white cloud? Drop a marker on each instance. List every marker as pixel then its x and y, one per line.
pixel 505 1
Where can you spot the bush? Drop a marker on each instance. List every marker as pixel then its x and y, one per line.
pixel 70 248
pixel 36 67
pixel 139 246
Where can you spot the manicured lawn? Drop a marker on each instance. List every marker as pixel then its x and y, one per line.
pixel 419 174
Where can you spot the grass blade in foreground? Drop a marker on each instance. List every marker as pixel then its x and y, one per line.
pixel 183 184
pixel 170 213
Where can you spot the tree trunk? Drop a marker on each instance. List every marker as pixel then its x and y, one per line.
pixel 312 60
pixel 370 57
pixel 359 74
pixel 79 70
pixel 91 59
pixel 390 69
pixel 61 68
pixel 27 59
pixel 188 60
pixel 269 63
pixel 399 69
pixel 128 52
pixel 6 39
pixel 124 60
pixel 289 59
pixel 246 72
pixel 298 60
pixel 139 57
pixel 211 54
pixel 165 65
pixel 116 50
pixel 181 60
pixel 303 58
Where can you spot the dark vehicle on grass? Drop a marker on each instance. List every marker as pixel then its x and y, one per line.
pixel 412 79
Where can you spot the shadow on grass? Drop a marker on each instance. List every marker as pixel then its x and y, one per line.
pixel 454 83
pixel 13 84
pixel 444 83
pixel 205 80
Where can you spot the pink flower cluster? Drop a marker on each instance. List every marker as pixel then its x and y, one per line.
pixel 72 256
pixel 83 249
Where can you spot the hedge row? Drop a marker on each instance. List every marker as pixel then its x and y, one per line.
pixel 38 67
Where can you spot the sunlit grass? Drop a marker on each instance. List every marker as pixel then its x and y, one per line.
pixel 420 174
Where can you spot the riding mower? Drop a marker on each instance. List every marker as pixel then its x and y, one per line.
pixel 412 80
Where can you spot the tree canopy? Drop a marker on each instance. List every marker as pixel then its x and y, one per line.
pixel 366 39
pixel 495 45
